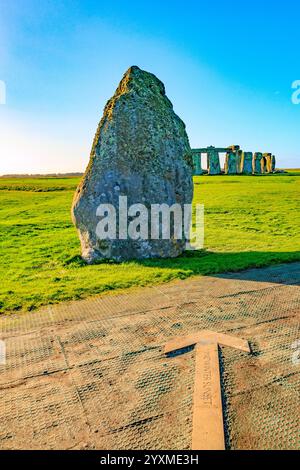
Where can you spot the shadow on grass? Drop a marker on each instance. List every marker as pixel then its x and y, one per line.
pixel 205 262
pixel 211 263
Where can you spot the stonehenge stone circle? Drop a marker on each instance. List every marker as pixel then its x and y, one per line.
pixel 236 161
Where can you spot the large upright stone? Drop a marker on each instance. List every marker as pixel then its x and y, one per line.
pixel 246 163
pixel 230 166
pixel 273 163
pixel 239 155
pixel 263 164
pixel 268 157
pixel 141 150
pixel 213 161
pixel 256 162
pixel 197 164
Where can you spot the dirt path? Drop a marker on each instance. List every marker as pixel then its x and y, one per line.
pixel 91 374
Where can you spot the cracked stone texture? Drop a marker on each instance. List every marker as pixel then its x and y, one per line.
pixel 141 150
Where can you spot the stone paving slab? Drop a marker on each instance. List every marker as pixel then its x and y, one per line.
pixel 92 374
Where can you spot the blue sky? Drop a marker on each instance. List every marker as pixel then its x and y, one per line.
pixel 228 67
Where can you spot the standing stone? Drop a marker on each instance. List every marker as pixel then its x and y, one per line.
pixel 233 160
pixel 246 163
pixel 263 164
pixel 197 164
pixel 273 163
pixel 230 163
pixel 256 163
pixel 268 158
pixel 141 150
pixel 213 161
pixel 239 162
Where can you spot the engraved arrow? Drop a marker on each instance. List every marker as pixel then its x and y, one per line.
pixel 208 426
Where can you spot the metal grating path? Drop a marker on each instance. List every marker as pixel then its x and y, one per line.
pixel 91 374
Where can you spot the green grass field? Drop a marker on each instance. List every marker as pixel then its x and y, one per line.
pixel 249 221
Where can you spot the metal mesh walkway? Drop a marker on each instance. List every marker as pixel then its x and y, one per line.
pixel 91 374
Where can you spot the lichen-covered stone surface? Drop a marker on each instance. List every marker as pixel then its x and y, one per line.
pixel 197 164
pixel 256 162
pixel 273 163
pixel 246 163
pixel 141 150
pixel 231 163
pixel 213 158
pixel 239 161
